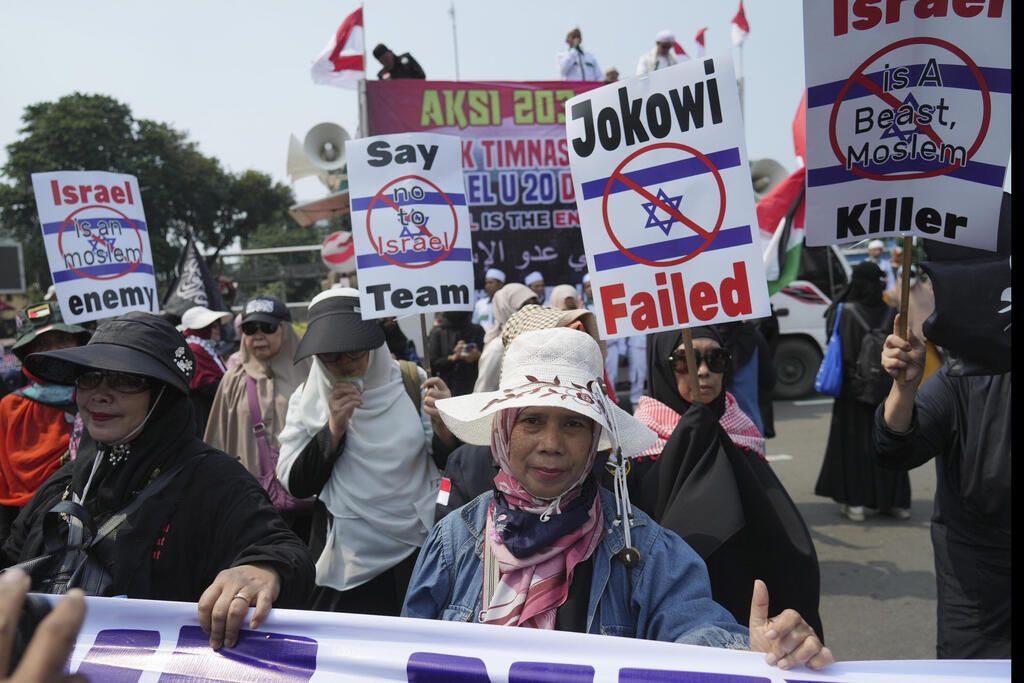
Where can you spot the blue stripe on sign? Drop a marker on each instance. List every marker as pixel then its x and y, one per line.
pixel 974 171
pixel 374 260
pixel 99 271
pixel 953 76
pixel 663 251
pixel 54 228
pixel 727 158
pixel 363 203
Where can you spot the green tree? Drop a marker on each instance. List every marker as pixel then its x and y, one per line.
pixel 182 190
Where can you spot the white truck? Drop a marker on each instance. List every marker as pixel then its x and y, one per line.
pixel 800 309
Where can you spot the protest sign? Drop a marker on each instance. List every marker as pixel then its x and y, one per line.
pixel 666 205
pixel 97 243
pixel 130 640
pixel 410 225
pixel 908 119
pixel 514 157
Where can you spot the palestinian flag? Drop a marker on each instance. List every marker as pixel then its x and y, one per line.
pixel 780 217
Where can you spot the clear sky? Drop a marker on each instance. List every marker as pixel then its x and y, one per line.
pixel 235 75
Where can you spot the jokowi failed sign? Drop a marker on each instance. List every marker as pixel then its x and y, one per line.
pixel 410 224
pixel 908 119
pixel 666 203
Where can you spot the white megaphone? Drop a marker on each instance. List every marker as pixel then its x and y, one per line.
pixel 765 174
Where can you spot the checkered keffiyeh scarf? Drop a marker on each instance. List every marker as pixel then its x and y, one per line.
pixel 530 589
pixel 663 420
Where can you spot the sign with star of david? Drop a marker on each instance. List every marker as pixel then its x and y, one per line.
pixel 666 205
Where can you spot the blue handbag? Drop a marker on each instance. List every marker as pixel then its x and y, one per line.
pixel 829 380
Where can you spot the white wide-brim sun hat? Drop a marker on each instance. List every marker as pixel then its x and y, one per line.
pixel 552 367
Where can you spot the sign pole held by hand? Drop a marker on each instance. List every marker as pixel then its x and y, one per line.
pixel 904 326
pixel 423 335
pixel 691 365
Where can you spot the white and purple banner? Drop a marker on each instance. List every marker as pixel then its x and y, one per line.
pixel 142 640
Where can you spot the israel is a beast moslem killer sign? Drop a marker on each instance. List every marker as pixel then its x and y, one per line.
pixel 97 243
pixel 410 224
pixel 908 119
pixel 666 205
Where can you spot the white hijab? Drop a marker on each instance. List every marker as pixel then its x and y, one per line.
pixel 383 487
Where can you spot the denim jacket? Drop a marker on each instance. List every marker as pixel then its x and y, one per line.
pixel 667 596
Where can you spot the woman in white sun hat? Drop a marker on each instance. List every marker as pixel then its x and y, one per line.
pixel 533 551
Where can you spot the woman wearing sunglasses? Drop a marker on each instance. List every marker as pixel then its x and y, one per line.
pixel 706 479
pixel 359 436
pixel 255 392
pixel 170 518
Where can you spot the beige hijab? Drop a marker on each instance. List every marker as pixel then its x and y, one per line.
pixel 230 426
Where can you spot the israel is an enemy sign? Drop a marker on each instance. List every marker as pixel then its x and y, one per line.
pixel 410 224
pixel 908 119
pixel 666 205
pixel 97 243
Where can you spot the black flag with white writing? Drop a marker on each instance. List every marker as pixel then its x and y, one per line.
pixel 193 286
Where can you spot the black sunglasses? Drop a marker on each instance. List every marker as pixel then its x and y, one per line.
pixel 335 357
pixel 253 326
pixel 118 381
pixel 717 360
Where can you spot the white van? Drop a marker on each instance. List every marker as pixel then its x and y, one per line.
pixel 800 310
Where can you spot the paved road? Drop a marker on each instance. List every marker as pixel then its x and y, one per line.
pixel 877 577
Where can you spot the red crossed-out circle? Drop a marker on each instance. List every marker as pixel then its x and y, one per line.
pixel 709 236
pixel 859 77
pixel 60 242
pixel 383 197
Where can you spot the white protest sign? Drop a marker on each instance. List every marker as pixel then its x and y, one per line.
pixel 97 243
pixel 666 205
pixel 148 640
pixel 908 119
pixel 410 224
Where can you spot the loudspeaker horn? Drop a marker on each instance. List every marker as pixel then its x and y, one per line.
pixel 298 165
pixel 325 146
pixel 765 174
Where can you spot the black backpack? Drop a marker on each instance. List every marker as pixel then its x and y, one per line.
pixel 870 382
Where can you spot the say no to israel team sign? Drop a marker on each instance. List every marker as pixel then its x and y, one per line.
pixel 666 205
pixel 97 243
pixel 908 119
pixel 410 224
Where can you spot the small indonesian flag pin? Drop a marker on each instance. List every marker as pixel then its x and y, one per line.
pixel 444 491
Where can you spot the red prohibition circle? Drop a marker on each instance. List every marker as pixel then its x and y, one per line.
pixel 380 195
pixel 60 241
pixel 982 88
pixel 618 171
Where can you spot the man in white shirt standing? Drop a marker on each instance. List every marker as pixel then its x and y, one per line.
pixel 574 64
pixel 483 312
pixel 661 56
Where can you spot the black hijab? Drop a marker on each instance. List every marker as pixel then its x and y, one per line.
pixel 726 503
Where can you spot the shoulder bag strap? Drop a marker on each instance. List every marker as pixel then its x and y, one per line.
pixel 411 378
pixel 258 428
pixel 839 314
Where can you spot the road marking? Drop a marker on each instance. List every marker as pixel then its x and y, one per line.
pixel 780 456
pixel 812 402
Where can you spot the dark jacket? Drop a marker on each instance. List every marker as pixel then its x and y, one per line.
pixel 471 471
pixel 405 66
pixel 459 375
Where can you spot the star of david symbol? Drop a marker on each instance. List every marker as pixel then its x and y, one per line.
pixel 895 131
pixel 651 208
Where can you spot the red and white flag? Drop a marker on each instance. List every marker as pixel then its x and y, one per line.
pixel 700 42
pixel 342 63
pixel 740 27
pixel 680 52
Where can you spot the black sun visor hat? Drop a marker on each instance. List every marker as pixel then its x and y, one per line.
pixel 137 343
pixel 336 325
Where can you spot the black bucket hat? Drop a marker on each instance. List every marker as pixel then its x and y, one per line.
pixel 40 318
pixel 336 324
pixel 138 343
pixel 265 309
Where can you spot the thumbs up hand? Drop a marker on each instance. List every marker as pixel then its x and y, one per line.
pixel 787 638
